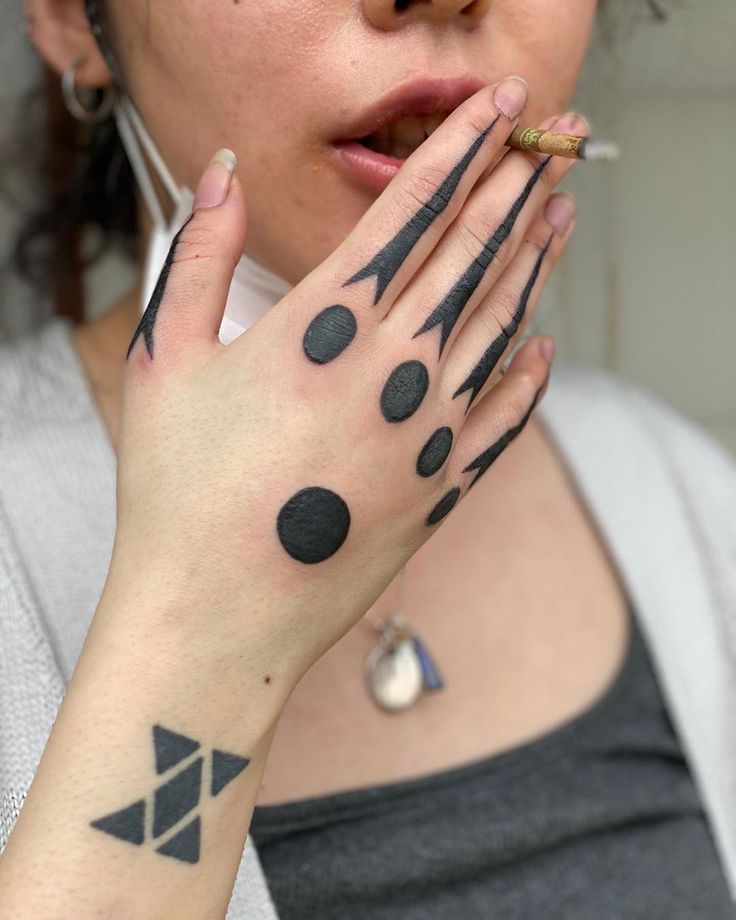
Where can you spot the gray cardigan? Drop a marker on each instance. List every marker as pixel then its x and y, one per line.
pixel 660 490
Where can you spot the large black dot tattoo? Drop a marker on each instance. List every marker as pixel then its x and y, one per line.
pixel 435 452
pixel 313 524
pixel 404 391
pixel 444 506
pixel 329 333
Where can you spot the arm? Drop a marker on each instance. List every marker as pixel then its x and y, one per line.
pixel 144 795
pixel 267 493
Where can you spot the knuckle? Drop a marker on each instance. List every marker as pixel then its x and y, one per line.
pixel 476 235
pixel 505 308
pixel 523 396
pixel 198 240
pixel 417 191
pixel 477 120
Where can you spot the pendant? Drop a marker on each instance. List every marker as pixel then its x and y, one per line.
pixel 399 668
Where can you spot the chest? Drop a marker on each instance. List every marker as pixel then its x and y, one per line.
pixel 517 600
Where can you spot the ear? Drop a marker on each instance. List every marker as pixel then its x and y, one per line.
pixel 60 32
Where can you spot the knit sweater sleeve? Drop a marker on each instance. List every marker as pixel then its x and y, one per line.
pixel 30 686
pixel 705 475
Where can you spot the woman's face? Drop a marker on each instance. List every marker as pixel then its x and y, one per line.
pixel 279 81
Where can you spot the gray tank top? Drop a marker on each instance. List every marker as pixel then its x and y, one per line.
pixel 596 820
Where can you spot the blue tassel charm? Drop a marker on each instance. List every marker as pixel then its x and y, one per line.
pixel 432 678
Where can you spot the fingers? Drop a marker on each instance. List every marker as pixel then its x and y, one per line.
pixel 503 315
pixel 478 246
pixel 502 414
pixel 188 302
pixel 403 225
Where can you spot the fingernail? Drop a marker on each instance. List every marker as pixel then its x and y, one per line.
pixel 559 212
pixel 547 348
pixel 216 179
pixel 511 96
pixel 572 123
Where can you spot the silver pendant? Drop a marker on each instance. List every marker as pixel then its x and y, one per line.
pixel 399 668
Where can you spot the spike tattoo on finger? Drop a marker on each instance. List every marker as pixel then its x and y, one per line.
pixel 481 464
pixel 484 460
pixel 386 263
pixel 148 320
pixel 493 354
pixel 447 312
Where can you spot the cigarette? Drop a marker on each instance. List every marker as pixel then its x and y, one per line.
pixel 563 145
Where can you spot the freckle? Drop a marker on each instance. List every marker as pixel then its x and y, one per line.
pixel 267 678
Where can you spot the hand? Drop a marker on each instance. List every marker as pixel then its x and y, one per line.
pixel 269 490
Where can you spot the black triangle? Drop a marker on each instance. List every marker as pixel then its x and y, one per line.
pixel 171 747
pixel 184 845
pixel 225 767
pixel 127 824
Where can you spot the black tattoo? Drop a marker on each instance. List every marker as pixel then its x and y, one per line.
pixel 329 334
pixel 435 452
pixel 127 824
pixel 169 747
pixel 492 355
pixel 483 461
pixel 225 767
pixel 404 391
pixel 175 799
pixel 386 263
pixel 184 845
pixel 447 312
pixel 148 320
pixel 313 524
pixel 444 506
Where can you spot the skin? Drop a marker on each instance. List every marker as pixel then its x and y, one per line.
pixel 243 75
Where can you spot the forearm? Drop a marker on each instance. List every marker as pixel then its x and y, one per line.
pixel 124 818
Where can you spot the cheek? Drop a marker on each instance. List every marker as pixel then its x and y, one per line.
pixel 550 41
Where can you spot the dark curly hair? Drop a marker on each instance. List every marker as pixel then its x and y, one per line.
pixel 84 181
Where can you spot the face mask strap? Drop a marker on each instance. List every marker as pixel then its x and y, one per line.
pixel 138 163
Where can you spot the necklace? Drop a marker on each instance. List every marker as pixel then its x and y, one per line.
pixel 399 668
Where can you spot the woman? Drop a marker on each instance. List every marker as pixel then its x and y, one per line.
pixel 272 485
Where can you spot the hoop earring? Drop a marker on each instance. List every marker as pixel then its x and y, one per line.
pixel 74 104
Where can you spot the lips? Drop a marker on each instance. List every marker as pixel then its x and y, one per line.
pixel 419 103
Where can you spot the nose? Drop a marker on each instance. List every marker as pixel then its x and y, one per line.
pixel 390 15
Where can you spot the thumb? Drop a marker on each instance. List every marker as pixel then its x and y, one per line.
pixel 189 298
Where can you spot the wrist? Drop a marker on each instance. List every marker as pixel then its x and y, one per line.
pixel 173 652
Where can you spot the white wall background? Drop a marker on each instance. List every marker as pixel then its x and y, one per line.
pixel 648 287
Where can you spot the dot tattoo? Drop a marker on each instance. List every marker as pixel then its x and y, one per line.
pixel 148 320
pixel 444 506
pixel 492 355
pixel 386 263
pixel 483 461
pixel 313 524
pixel 329 333
pixel 435 452
pixel 175 800
pixel 447 312
pixel 404 391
